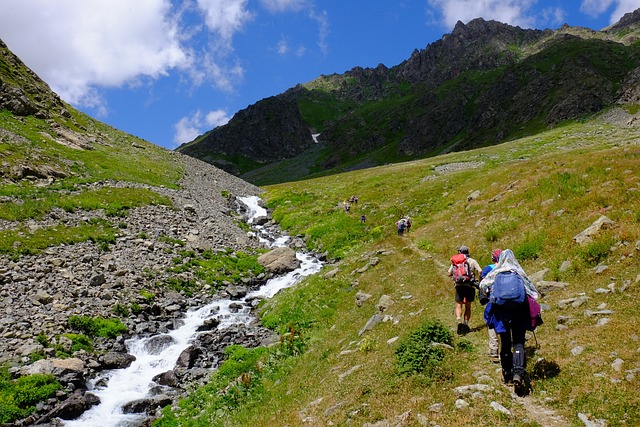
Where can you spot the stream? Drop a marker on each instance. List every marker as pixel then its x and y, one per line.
pixel 135 382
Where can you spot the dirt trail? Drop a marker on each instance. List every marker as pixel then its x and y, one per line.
pixel 535 410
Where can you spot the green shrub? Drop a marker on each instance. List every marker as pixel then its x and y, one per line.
pixel 595 252
pixel 121 310
pixel 19 397
pixel 98 326
pixel 148 296
pixel 135 308
pixel 416 354
pixel 529 249
pixel 78 342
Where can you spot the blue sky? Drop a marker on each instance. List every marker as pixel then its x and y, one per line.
pixel 169 70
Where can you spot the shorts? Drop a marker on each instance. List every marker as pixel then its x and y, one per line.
pixel 465 292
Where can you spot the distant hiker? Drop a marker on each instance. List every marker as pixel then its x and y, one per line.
pixel 363 218
pixel 510 292
pixel 353 199
pixel 408 224
pixel 464 271
pixel 484 299
pixel 347 207
pixel 401 225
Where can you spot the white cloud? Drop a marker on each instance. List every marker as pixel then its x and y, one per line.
pixel 513 12
pixel 623 6
pixel 216 118
pixel 283 46
pixel 595 7
pixel 189 128
pixel 225 17
pixel 322 19
pixel 75 46
pixel 553 15
pixel 276 6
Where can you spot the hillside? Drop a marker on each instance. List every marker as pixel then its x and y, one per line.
pixel 482 84
pixel 103 236
pixel 534 195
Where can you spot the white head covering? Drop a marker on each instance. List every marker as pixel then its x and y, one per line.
pixel 508 262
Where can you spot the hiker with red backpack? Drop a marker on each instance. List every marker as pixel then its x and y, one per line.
pixel 464 271
pixel 510 311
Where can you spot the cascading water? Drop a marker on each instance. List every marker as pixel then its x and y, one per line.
pixel 134 382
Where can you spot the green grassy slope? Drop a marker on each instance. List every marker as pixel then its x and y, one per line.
pixel 536 194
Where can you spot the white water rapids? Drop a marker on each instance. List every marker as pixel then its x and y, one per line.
pixel 134 382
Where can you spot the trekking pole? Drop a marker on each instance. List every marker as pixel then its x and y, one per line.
pixel 536 338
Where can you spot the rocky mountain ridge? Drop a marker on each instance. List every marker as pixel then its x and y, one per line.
pixel 483 83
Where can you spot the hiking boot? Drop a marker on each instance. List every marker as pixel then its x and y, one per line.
pixel 460 329
pixel 517 380
pixel 519 386
pixel 507 378
pixel 467 329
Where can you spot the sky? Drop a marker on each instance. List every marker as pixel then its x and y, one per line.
pixel 170 70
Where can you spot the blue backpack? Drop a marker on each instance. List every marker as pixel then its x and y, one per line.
pixel 508 290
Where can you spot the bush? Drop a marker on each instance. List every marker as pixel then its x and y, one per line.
pixel 529 249
pixel 18 398
pixel 98 326
pixel 417 355
pixel 595 252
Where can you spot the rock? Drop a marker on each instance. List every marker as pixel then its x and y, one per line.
pixel 43 297
pixel 279 260
pixel 188 357
pixel 371 323
pixel 157 343
pixel 498 407
pixel 473 196
pixel 168 378
pixel 146 405
pixel 116 360
pixel 361 298
pixel 584 237
pixel 73 407
pixel 384 303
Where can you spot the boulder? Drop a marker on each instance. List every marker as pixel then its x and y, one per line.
pixel 115 360
pixel 279 260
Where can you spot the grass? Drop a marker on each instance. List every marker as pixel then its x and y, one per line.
pixel 23 241
pixel 212 268
pixel 536 194
pixel 113 156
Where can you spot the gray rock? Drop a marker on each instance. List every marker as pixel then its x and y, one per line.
pixel 279 260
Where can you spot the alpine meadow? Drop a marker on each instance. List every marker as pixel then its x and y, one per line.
pixel 106 238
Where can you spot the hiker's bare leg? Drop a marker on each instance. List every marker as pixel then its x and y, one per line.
pixel 458 310
pixel 467 311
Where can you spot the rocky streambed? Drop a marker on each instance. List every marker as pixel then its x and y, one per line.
pixel 38 294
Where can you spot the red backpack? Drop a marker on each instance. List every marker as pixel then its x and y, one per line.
pixel 461 270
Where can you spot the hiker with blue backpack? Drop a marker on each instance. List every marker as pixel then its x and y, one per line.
pixel 510 310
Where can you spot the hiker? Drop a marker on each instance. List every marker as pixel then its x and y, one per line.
pixel 508 313
pixel 408 226
pixel 484 299
pixel 464 271
pixel 400 225
pixel 363 218
pixel 347 207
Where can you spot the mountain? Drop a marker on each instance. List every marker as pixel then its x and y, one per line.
pixel 484 83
